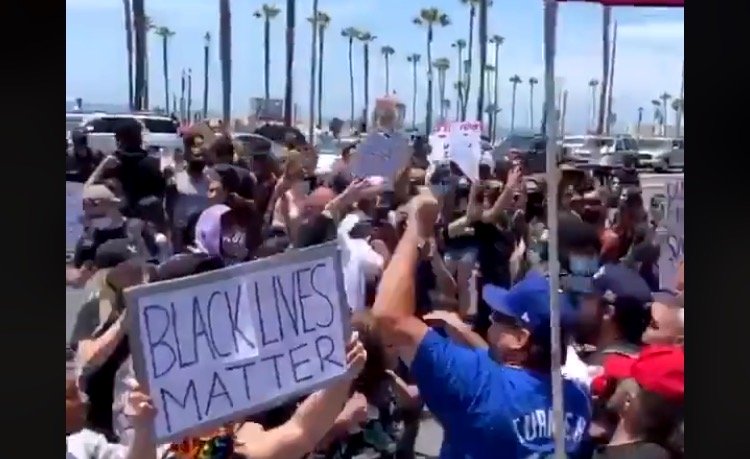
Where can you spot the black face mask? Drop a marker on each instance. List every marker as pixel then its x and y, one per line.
pixel 196 166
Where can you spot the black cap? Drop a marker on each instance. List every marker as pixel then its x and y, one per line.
pixel 617 281
pixel 113 252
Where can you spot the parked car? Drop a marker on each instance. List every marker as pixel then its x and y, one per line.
pixel 600 150
pixel 661 153
pixel 530 149
pixel 160 133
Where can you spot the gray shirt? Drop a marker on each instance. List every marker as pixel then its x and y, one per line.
pixel 192 197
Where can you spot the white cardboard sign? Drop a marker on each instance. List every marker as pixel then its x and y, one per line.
pixel 213 347
pixel 673 241
pixel 461 143
pixel 381 155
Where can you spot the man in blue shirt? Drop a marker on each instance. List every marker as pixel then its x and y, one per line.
pixel 492 403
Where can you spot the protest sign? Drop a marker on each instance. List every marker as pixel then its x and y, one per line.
pixel 673 234
pixel 381 155
pixel 214 347
pixel 461 143
pixel 73 214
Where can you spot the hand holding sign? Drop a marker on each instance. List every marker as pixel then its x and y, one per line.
pixel 356 356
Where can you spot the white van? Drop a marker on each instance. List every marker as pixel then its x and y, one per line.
pixel 160 133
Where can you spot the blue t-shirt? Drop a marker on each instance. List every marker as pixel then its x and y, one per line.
pixel 489 410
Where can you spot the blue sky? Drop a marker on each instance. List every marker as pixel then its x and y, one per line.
pixel 649 53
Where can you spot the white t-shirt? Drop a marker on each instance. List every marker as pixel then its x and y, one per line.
pixel 87 444
pixel 360 261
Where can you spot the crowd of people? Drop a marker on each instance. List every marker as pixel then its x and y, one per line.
pixel 446 283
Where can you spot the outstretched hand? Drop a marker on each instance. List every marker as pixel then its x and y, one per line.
pixel 423 213
pixel 356 356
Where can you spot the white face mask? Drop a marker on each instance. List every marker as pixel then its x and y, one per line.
pixel 101 223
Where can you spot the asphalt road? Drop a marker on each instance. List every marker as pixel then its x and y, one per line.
pixel 431 434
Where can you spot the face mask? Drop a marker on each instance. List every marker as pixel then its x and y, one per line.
pixel 584 266
pixel 101 223
pixel 233 248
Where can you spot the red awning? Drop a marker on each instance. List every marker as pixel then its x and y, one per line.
pixel 652 3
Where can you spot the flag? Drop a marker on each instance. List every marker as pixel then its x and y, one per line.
pixel 653 3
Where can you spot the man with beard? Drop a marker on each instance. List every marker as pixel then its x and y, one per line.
pixel 187 195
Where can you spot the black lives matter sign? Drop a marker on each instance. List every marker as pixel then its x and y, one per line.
pixel 214 347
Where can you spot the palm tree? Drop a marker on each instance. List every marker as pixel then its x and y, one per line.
pixel 458 86
pixel 350 33
pixel 681 113
pixel 267 12
pixel 129 48
pixel 442 65
pixel 460 45
pixel 147 83
pixel 183 83
pixel 532 82
pixel 640 121
pixel 677 107
pixel 139 24
pixel 515 80
pixel 489 72
pixel 387 52
pixel 165 35
pixel 496 40
pixel 206 46
pixel 593 83
pixel 606 19
pixel 366 38
pixel 313 64
pixel 291 19
pixel 430 18
pixel 323 20
pixel 472 4
pixel 225 55
pixel 482 38
pixel 658 117
pixel 665 97
pixel 413 59
pixel 189 95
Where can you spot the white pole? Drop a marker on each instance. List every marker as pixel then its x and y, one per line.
pixel 553 178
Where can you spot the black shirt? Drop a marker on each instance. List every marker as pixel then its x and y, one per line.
pixel 495 248
pixel 636 450
pixel 133 228
pixel 141 177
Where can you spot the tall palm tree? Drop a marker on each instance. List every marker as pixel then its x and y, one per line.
pixel 681 113
pixel 482 39
pixel 225 55
pixel 350 33
pixel 606 20
pixel 129 47
pixel 183 87
pixel 442 65
pixel 489 72
pixel 496 40
pixel 593 83
pixel 532 82
pixel 189 95
pixel 366 38
pixel 267 12
pixel 150 26
pixel 459 45
pixel 472 4
pixel 640 121
pixel 291 20
pixel 515 80
pixel 139 25
pixel 323 21
pixel 413 59
pixel 658 117
pixel 677 107
pixel 206 46
pixel 165 35
pixel 313 64
pixel 387 52
pixel 665 98
pixel 430 18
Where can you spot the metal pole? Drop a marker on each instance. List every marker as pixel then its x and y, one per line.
pixel 550 26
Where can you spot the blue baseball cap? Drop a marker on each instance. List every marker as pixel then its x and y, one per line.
pixel 528 302
pixel 614 281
